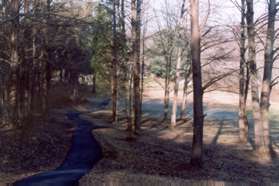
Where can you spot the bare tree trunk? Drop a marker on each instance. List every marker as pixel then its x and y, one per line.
pixel 176 88
pixel 46 78
pixel 4 80
pixel 254 75
pixel 167 87
pixel 197 148
pixel 185 89
pixel 144 30
pixel 187 74
pixel 94 82
pixel 242 121
pixel 136 32
pixel 26 6
pixel 48 65
pixel 114 81
pixel 266 83
pixel 178 66
pixel 127 85
pixel 184 100
pixel 14 11
pixel 129 106
pixel 32 74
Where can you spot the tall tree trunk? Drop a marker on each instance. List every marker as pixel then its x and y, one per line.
pixel 136 32
pixel 254 75
pixel 46 79
pixel 176 88
pixel 25 106
pixel 144 30
pixel 94 82
pixel 5 85
pixel 197 147
pixel 26 6
pixel 242 121
pixel 187 75
pixel 266 83
pixel 129 103
pixel 127 70
pixel 32 74
pixel 168 60
pixel 14 11
pixel 178 66
pixel 114 80
pixel 48 65
pixel 185 89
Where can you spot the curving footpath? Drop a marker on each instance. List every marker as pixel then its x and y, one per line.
pixel 85 152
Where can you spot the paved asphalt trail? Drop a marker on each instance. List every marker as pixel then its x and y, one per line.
pixel 85 152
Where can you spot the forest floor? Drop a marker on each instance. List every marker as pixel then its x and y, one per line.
pixel 41 144
pixel 160 156
pixel 160 152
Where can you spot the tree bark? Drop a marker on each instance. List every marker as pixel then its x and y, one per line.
pixel 129 103
pixel 14 11
pixel 144 30
pixel 168 60
pixel 26 6
pixel 242 121
pixel 176 88
pixel 136 32
pixel 254 75
pixel 114 80
pixel 187 75
pixel 94 82
pixel 185 89
pixel 267 77
pixel 197 145
pixel 178 66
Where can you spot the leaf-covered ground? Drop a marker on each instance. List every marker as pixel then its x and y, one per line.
pixel 40 145
pixel 159 153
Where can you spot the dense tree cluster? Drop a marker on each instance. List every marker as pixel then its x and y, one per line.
pixel 38 40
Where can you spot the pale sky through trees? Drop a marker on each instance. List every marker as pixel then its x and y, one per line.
pixel 223 11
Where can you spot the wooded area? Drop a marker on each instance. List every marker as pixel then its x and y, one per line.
pixel 130 65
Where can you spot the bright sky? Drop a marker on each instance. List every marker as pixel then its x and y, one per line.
pixel 223 11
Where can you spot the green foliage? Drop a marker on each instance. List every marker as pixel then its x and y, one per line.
pixel 99 41
pixel 157 67
pixel 164 48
